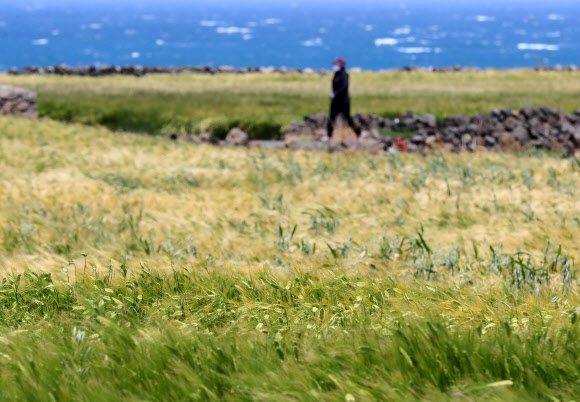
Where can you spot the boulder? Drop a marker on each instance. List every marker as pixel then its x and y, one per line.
pixel 237 138
pixel 520 133
pixel 267 144
pixel 18 102
pixel 209 139
pixel 298 131
pixel 429 120
pixel 576 137
pixel 511 123
pixel 316 121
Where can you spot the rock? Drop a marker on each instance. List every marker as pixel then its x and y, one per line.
pixel 528 112
pixel 429 120
pixel 431 140
pixel 302 145
pixel 539 131
pixel 490 141
pixel 417 139
pixel 576 137
pixel 209 139
pixel 194 139
pixel 18 102
pixel 349 143
pixel 511 123
pixel 267 144
pixel 298 131
pixel 371 136
pixel 520 133
pixel 317 121
pixel 567 128
pixel 505 113
pixel 237 138
pixel 466 139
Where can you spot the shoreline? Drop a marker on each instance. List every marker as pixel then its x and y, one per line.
pixel 140 71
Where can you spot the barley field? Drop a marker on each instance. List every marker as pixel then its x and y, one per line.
pixel 135 268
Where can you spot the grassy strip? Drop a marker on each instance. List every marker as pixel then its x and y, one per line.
pixel 317 335
pixel 264 104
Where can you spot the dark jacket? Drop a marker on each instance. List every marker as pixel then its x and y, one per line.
pixel 340 88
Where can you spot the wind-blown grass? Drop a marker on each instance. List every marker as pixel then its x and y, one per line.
pixel 138 268
pixel 320 335
pixel 265 104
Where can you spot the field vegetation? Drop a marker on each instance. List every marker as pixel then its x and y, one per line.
pixel 264 104
pixel 140 269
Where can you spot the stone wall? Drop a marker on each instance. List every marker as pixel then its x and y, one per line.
pixel 139 71
pixel 505 129
pixel 18 102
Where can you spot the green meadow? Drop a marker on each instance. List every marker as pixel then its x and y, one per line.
pixel 264 104
pixel 135 268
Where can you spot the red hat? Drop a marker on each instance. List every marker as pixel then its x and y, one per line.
pixel 340 62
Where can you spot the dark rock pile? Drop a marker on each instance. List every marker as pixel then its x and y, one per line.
pixel 18 102
pixel 457 68
pixel 139 71
pixel 505 129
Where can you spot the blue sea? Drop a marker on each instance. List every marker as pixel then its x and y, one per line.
pixel 370 34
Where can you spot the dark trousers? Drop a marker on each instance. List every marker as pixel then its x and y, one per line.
pixel 336 109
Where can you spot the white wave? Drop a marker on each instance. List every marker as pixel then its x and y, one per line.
pixel 414 50
pixel 368 28
pixel 555 17
pixel 95 26
pixel 247 37
pixel 233 30
pixel 406 30
pixel 538 46
pixel 160 42
pixel 272 21
pixel 313 42
pixel 40 42
pixel 207 23
pixel 135 55
pixel 322 31
pixel 130 32
pixel 484 18
pixel 252 24
pixel 553 35
pixel 386 42
pixel 55 32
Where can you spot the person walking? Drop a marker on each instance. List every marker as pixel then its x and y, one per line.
pixel 340 99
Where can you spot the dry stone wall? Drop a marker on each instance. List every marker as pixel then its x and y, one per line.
pixel 18 102
pixel 505 129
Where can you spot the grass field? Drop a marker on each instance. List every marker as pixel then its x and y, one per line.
pixel 139 269
pixel 264 104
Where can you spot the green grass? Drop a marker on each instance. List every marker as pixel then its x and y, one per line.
pixel 134 268
pixel 318 335
pixel 265 104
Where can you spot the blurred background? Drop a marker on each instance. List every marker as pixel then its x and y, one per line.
pixel 370 34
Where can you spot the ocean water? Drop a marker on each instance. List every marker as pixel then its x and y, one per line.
pixel 370 34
